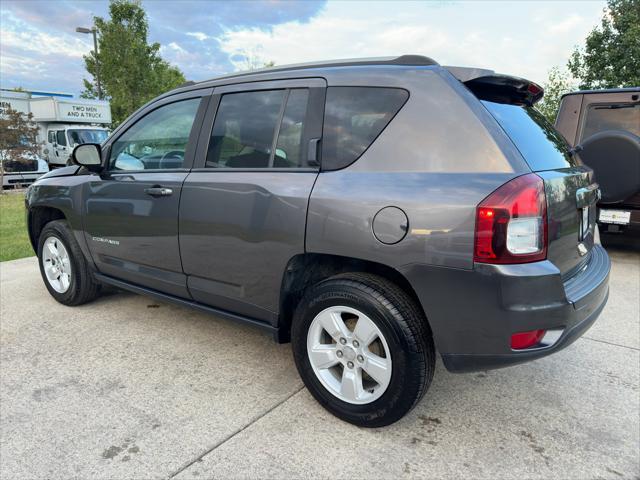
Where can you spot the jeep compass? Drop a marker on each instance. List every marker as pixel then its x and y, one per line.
pixel 371 212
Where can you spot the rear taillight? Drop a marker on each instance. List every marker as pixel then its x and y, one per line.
pixel 522 340
pixel 511 223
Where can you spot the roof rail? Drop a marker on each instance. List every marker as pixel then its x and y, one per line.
pixel 406 60
pixel 603 90
pixel 188 83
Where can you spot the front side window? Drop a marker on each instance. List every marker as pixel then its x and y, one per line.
pixel 52 136
pixel 244 129
pixel 60 138
pixel 158 140
pixel 353 119
pixel 625 116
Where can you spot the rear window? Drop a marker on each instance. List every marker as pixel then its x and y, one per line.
pixel 353 118
pixel 612 117
pixel 542 147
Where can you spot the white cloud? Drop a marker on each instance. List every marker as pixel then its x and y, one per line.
pixel 482 34
pixel 199 35
pixel 43 43
pixel 177 48
pixel 565 25
pixel 29 56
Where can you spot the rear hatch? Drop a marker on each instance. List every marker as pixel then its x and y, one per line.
pixel 569 187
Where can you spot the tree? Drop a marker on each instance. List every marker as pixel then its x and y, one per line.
pixel 611 55
pixel 132 71
pixel 251 59
pixel 18 140
pixel 556 85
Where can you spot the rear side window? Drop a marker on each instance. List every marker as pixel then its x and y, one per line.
pixel 289 149
pixel 542 147
pixel 612 117
pixel 353 119
pixel 244 129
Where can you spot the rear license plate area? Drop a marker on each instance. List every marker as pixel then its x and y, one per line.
pixel 618 217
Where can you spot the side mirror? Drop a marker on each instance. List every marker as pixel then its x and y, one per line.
pixel 88 155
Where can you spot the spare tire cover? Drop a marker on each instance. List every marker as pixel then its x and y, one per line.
pixel 614 156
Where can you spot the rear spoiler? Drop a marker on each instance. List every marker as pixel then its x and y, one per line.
pixel 488 85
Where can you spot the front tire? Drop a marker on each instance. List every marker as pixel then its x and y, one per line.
pixel 363 348
pixel 64 269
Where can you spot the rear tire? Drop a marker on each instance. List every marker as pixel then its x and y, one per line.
pixel 63 267
pixel 402 342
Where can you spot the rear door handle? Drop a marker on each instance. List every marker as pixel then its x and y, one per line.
pixel 158 191
pixel 312 153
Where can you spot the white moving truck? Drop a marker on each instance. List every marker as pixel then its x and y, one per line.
pixel 67 122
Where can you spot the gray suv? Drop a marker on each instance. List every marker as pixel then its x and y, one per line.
pixel 369 211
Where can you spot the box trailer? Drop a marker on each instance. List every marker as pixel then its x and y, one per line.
pixel 18 101
pixel 18 168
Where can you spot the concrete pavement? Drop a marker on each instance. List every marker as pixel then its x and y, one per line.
pixel 127 387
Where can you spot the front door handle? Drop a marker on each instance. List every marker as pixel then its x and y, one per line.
pixel 158 191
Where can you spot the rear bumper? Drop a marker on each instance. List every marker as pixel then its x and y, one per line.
pixel 474 313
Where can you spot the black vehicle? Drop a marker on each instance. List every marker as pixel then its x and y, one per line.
pixel 604 128
pixel 368 211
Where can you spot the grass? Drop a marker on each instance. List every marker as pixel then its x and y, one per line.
pixel 14 241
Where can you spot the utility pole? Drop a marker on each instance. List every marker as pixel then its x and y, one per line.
pixel 94 31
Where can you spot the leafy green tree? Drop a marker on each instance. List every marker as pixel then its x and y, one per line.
pixel 556 85
pixel 131 70
pixel 611 55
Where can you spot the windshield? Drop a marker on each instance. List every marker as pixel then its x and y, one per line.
pixel 80 136
pixel 542 147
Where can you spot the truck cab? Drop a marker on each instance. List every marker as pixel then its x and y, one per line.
pixel 60 140
pixel 66 122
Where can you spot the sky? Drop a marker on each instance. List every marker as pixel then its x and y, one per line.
pixel 40 50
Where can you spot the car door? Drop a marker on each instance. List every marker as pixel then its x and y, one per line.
pixel 131 209
pixel 50 145
pixel 243 209
pixel 62 152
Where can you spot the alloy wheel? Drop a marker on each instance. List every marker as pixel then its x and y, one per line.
pixel 349 355
pixel 57 264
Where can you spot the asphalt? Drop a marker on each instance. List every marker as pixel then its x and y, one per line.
pixel 127 387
